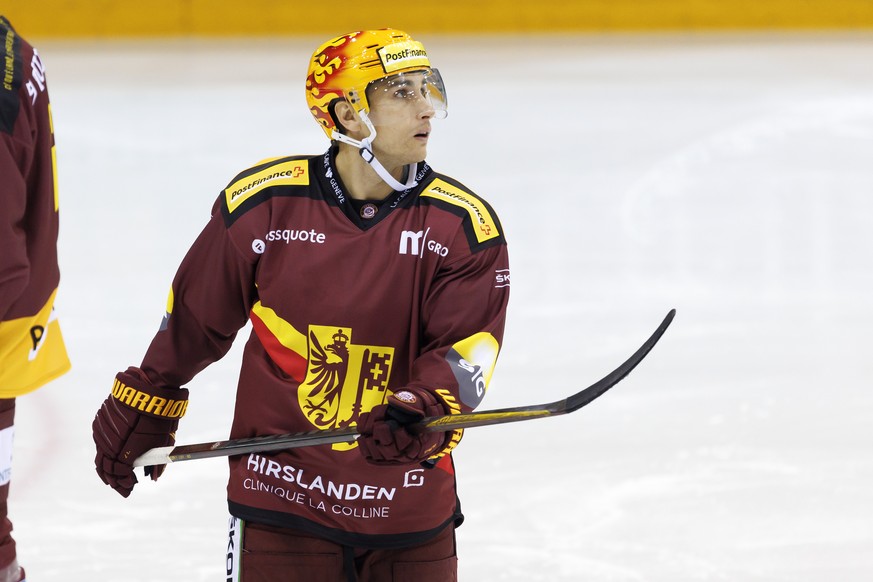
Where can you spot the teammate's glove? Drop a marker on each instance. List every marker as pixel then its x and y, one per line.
pixel 134 418
pixel 387 437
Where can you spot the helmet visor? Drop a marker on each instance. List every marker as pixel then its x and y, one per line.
pixel 411 88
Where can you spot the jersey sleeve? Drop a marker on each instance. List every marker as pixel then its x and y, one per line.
pixel 214 289
pixel 14 266
pixel 14 155
pixel 210 299
pixel 464 312
pixel 463 323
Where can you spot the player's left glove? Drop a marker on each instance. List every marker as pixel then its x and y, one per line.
pixel 387 437
pixel 135 417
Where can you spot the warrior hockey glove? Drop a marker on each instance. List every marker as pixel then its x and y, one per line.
pixel 134 418
pixel 386 436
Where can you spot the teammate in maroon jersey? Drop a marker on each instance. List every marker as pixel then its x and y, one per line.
pixel 377 292
pixel 32 350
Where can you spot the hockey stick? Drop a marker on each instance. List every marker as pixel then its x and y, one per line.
pixel 261 444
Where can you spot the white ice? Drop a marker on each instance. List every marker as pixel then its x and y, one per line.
pixel 728 176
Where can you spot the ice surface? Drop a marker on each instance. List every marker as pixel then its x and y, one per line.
pixel 728 176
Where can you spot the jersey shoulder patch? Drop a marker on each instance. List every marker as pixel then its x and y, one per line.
pixel 10 77
pixel 263 181
pixel 481 224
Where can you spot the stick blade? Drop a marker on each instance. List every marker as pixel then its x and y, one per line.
pixel 580 399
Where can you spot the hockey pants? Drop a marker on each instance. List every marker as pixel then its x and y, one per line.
pixel 272 554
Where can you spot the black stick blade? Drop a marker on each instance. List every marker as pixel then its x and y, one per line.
pixel 577 401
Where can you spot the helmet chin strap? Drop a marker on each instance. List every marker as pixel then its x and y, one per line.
pixel 366 149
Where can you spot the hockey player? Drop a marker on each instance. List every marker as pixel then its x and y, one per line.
pixel 32 350
pixel 377 291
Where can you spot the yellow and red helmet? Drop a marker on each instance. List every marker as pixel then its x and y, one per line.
pixel 342 68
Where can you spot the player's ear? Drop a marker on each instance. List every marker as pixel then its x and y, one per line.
pixel 347 118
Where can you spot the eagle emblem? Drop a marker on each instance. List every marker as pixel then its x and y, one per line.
pixel 342 379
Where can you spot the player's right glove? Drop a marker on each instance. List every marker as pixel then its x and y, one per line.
pixel 387 433
pixel 134 418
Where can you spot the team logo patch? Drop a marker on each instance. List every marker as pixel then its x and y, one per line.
pixel 405 396
pixel 368 211
pixel 339 379
pixel 342 379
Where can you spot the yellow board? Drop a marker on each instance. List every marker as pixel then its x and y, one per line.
pixel 127 18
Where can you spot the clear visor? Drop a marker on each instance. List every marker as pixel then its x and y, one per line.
pixel 412 88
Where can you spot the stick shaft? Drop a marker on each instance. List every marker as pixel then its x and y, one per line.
pixel 267 443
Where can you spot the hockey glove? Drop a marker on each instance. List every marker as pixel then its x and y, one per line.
pixel 134 418
pixel 387 437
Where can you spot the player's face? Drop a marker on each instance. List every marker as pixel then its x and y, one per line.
pixel 401 109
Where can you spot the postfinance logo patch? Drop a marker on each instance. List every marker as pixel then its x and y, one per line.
pixel 484 224
pixel 403 55
pixel 293 173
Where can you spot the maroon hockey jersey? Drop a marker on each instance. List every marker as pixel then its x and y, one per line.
pixel 344 310
pixel 32 350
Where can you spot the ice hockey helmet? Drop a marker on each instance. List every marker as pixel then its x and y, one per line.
pixel 342 67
